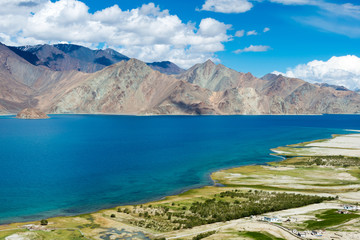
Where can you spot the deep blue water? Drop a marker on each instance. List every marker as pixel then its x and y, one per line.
pixel 72 164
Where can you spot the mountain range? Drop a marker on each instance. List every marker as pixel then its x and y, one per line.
pixel 66 78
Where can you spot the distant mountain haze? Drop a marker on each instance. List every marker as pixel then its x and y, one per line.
pixel 66 57
pixel 67 78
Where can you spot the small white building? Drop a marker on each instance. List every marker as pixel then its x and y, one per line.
pixel 317 233
pixel 272 219
pixel 302 234
pixel 350 207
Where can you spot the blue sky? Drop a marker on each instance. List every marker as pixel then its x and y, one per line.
pixel 292 41
pixel 299 32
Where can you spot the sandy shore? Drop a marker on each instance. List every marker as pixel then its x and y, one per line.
pixel 343 145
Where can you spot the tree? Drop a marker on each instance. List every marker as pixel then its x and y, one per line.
pixel 44 222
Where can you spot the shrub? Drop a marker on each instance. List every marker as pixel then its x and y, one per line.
pixel 44 222
pixel 203 235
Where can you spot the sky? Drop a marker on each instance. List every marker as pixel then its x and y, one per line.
pixel 316 40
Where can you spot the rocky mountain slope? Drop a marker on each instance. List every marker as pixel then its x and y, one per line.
pixel 65 57
pixel 214 77
pixel 20 81
pixel 239 93
pixel 129 87
pixel 133 87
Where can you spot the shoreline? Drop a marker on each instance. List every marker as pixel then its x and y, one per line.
pixel 156 199
pixel 336 185
pixel 180 115
pixel 209 175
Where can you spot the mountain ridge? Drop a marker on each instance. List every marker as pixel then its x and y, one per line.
pixel 133 87
pixel 66 57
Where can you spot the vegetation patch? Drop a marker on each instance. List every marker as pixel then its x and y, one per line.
pixel 203 235
pixel 220 207
pixel 259 236
pixel 334 161
pixel 329 218
pixel 60 235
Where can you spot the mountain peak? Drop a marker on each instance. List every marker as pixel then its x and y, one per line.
pixel 209 63
pixel 211 76
pixel 270 76
pixel 67 48
pixel 133 61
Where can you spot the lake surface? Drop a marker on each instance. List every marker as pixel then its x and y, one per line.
pixel 73 164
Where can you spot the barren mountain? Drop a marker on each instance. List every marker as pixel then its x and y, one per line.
pixel 20 81
pixel 66 57
pixel 132 87
pixel 215 77
pixel 239 93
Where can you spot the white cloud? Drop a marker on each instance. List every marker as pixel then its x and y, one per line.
pixel 227 6
pixel 15 12
pixel 343 71
pixel 240 33
pixel 252 48
pixel 344 9
pixel 266 29
pixel 337 18
pixel 252 33
pixel 147 33
pixel 335 26
pixel 295 2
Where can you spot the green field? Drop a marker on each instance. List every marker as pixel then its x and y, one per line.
pixel 259 236
pixel 329 218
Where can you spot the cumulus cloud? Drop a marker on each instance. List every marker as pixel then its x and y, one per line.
pixel 252 33
pixel 240 33
pixel 342 71
pixel 266 29
pixel 148 32
pixel 252 48
pixel 227 6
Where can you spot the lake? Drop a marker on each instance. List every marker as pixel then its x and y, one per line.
pixel 72 164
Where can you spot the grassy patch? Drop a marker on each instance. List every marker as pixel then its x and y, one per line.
pixel 60 235
pixel 330 218
pixel 259 236
pixel 4 234
pixel 355 173
pixel 203 235
pixel 268 188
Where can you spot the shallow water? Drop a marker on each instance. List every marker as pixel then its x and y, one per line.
pixel 73 164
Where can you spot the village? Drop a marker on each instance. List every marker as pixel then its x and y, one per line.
pixel 307 234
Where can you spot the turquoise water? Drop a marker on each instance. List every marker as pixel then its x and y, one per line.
pixel 73 164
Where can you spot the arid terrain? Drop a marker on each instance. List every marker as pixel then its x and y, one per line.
pixel 73 79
